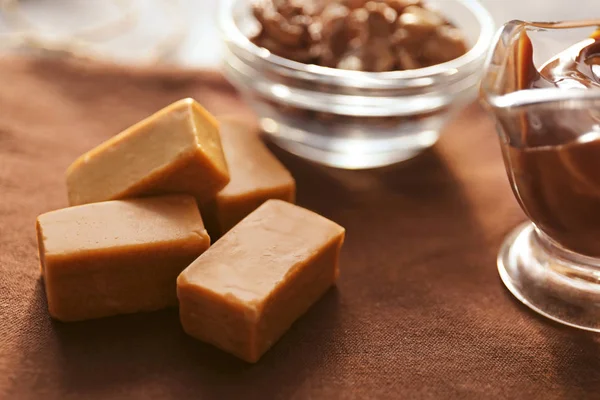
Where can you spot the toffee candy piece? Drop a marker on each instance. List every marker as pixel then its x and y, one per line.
pixel 119 256
pixel 176 150
pixel 248 289
pixel 256 176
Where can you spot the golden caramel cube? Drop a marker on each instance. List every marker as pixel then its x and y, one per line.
pixel 256 176
pixel 176 150
pixel 245 292
pixel 119 256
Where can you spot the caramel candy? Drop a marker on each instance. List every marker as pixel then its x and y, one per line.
pixel 119 256
pixel 248 289
pixel 256 176
pixel 176 150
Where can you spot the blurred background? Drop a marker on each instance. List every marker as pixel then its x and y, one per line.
pixel 180 32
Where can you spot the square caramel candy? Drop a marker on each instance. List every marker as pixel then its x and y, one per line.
pixel 118 257
pixel 176 150
pixel 245 292
pixel 256 176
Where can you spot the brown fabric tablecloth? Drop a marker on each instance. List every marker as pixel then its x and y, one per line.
pixel 419 311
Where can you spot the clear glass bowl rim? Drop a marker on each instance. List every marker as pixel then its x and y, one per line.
pixel 392 79
pixel 550 97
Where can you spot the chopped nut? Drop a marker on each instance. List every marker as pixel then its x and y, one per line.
pixel 354 4
pixel 335 31
pixel 288 9
pixel 357 24
pixel 310 7
pixel 447 44
pixel 334 12
pixel 380 57
pixel 401 39
pixel 303 21
pixel 261 8
pixel 315 31
pixel 400 5
pixel 406 60
pixel 351 62
pixel 381 19
pixel 419 21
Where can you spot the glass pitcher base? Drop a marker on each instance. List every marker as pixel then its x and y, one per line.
pixel 557 288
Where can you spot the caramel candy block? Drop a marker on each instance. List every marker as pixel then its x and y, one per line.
pixel 248 289
pixel 119 256
pixel 256 176
pixel 176 150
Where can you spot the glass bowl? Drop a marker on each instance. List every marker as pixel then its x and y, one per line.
pixel 353 119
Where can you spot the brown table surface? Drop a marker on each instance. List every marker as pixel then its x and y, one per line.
pixel 419 311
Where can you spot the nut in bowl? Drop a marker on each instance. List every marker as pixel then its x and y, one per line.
pixel 355 84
